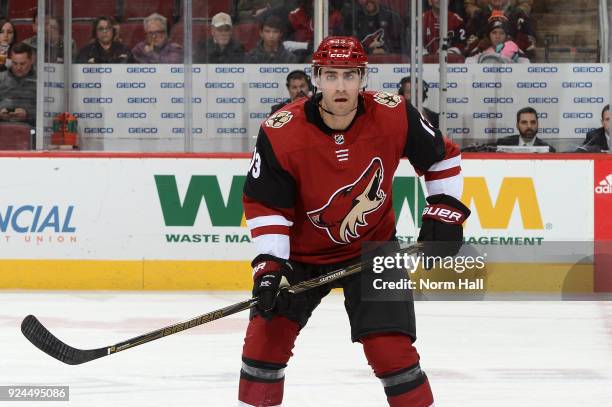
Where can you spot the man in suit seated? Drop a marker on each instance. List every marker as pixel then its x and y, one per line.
pixel 527 125
pixel 598 139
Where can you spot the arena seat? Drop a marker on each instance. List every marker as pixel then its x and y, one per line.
pixel 200 31
pixel 24 29
pixel 247 34
pixel 399 6
pixel 93 9
pixel 144 8
pixel 132 32
pixel 15 136
pixel 387 58
pixel 207 9
pixel 18 9
pixel 81 33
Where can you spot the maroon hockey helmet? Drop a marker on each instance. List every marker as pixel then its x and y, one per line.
pixel 340 52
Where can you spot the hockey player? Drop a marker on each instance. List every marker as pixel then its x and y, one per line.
pixel 318 187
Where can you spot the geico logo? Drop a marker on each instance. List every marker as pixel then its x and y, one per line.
pixel 99 130
pixel 549 130
pixel 172 115
pixel 542 69
pixel 594 99
pixel 455 69
pixel 271 100
pixel 452 115
pixel 499 130
pixel 273 69
pixel 86 85
pixel 85 115
pixel 544 100
pixel 181 130
pixel 496 69
pixel 49 69
pixel 401 69
pixel 587 69
pixel 542 115
pixel 97 100
pixel 232 130
pixel 498 100
pixel 477 85
pixel 97 70
pixel 143 130
pixel 458 130
pixel 231 100
pixel 171 85
pixel 530 85
pixel 583 130
pixel 487 115
pixel 263 85
pixel 464 99
pixel 49 99
pixel 131 115
pixel 219 85
pixel 48 114
pixel 222 115
pixel 581 85
pixel 372 69
pixel 182 70
pixel 258 115
pixel 143 69
pixel 577 115
pixel 131 85
pixel 390 85
pixel 180 100
pixel 142 100
pixel 451 85
pixel 59 85
pixel 222 69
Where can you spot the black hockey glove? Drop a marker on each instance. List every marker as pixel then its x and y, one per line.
pixel 441 231
pixel 269 275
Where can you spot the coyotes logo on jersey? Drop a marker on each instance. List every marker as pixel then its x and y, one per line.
pixel 387 99
pixel 279 119
pixel 347 208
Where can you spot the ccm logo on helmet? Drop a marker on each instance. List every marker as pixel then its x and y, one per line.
pixel 339 55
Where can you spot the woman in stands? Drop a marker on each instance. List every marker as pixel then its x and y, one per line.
pixel 104 49
pixel 8 36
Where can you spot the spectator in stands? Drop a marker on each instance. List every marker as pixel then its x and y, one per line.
pixel 54 41
pixel 298 86
pixel 380 29
pixel 270 49
pixel 18 87
pixel 527 125
pixel 8 36
pixel 254 10
pixel 301 30
pixel 472 7
pixel 104 49
pixel 404 90
pixel 497 46
pixel 599 139
pixel 431 30
pixel 156 48
pixel 518 24
pixel 221 47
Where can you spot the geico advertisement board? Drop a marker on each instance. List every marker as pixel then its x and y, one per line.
pixel 146 102
pixel 191 209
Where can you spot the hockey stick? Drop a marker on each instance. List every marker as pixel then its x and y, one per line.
pixel 44 340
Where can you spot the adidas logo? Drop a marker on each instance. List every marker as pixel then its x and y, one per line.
pixel 605 186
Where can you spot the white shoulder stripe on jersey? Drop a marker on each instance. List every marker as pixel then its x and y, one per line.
pixel 446 164
pixel 269 220
pixel 427 127
pixel 273 244
pixel 452 186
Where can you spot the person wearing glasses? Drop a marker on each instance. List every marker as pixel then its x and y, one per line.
pixel 103 49
pixel 156 48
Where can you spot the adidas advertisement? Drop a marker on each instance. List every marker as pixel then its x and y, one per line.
pixel 605 185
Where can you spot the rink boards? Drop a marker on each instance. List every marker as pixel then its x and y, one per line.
pixel 163 222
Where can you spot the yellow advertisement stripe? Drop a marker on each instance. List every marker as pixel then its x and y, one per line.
pixel 236 275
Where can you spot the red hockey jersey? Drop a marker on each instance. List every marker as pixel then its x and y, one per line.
pixel 314 194
pixel 431 32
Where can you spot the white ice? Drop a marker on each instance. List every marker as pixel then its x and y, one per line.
pixel 545 353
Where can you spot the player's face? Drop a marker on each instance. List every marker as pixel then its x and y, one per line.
pixel 606 121
pixel 297 88
pixel 340 88
pixel 527 125
pixel 497 36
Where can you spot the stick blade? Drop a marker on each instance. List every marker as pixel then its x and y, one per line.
pixel 44 340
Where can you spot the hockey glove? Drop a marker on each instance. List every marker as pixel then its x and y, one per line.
pixel 442 220
pixel 269 275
